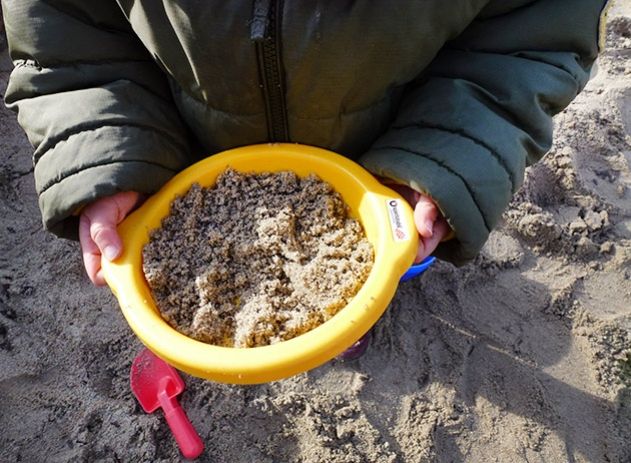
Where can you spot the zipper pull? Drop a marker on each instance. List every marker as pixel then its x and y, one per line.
pixel 260 20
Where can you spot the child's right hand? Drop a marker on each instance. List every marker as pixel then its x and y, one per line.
pixel 97 230
pixel 429 221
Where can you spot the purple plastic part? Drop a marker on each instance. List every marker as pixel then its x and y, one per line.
pixel 358 349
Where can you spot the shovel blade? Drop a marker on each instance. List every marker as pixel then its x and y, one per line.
pixel 149 375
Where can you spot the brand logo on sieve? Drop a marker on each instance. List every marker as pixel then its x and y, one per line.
pixel 397 220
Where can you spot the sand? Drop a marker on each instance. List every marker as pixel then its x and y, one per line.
pixel 255 259
pixel 520 356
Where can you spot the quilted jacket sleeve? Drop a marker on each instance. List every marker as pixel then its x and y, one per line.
pixel 94 105
pixel 483 111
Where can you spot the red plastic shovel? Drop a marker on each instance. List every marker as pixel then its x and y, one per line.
pixel 156 385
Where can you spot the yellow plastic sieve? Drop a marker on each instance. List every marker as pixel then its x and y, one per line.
pixel 387 220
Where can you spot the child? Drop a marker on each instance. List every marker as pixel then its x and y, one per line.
pixel 451 103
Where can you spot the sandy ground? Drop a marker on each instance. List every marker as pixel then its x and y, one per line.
pixel 522 356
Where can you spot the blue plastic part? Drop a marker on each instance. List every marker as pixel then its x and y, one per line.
pixel 417 269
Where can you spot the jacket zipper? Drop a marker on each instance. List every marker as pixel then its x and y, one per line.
pixel 266 32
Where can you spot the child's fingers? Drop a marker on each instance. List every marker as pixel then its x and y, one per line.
pixel 427 246
pixel 125 202
pixel 99 279
pixel 98 234
pixel 428 220
pixel 103 232
pixel 104 216
pixel 90 252
pixel 425 214
pixel 87 245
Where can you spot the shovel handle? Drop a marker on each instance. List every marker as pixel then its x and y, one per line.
pixel 187 439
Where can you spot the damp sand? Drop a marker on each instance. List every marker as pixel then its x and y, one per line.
pixel 256 258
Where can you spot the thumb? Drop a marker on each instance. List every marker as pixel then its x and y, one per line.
pixel 425 214
pixel 104 216
pixel 103 233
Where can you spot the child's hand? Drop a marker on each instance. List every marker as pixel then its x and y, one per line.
pixel 430 223
pixel 98 234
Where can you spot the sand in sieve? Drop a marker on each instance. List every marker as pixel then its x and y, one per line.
pixel 256 258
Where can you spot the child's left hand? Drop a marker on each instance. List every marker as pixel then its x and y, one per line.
pixel 430 223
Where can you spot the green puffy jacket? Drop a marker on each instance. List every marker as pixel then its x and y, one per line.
pixel 453 98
